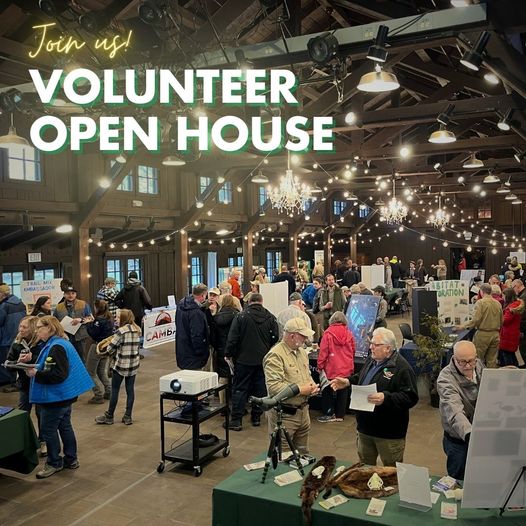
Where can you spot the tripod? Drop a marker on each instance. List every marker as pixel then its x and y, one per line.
pixel 274 450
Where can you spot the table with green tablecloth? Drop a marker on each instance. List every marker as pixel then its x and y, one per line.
pixel 242 500
pixel 18 442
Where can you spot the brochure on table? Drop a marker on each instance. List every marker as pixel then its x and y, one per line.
pixel 452 300
pixel 159 328
pixel 30 291
pixel 497 446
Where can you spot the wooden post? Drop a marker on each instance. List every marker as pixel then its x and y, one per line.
pixel 80 252
pixel 353 247
pixel 181 264
pixel 327 252
pixel 293 250
pixel 248 260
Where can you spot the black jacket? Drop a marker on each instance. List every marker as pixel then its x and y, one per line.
pixel 134 297
pixel 100 328
pixel 395 270
pixel 351 277
pixel 397 380
pixel 285 276
pixel 191 335
pixel 13 354
pixel 222 323
pixel 252 334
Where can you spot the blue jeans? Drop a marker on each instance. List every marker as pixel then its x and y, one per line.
pixel 116 381
pixel 456 453
pixel 24 405
pixel 55 421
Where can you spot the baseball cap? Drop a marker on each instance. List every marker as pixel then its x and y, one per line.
pixel 70 289
pixel 379 288
pixel 295 296
pixel 345 288
pixel 298 325
pixel 214 290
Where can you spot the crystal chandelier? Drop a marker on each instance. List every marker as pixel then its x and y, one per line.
pixel 395 211
pixel 291 195
pixel 440 218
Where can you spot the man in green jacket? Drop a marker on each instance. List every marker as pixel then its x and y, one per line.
pixel 328 300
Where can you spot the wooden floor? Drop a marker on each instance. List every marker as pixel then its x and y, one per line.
pixel 117 483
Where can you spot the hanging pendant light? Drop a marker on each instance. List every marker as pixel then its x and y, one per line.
pixel 12 138
pixel 503 189
pixel 378 81
pixel 442 136
pixel 473 162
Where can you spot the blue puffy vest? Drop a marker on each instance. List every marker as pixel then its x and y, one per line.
pixel 77 382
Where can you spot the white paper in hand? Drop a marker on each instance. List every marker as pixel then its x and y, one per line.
pixel 359 394
pixel 68 326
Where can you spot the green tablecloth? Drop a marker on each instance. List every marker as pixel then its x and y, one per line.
pixel 242 500
pixel 18 442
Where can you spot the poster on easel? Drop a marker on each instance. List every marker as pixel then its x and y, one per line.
pixel 31 290
pixel 453 301
pixel 469 275
pixel 275 296
pixel 159 328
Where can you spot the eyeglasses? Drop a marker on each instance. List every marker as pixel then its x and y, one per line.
pixel 463 363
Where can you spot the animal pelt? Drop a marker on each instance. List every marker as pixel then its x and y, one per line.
pixel 312 485
pixel 353 481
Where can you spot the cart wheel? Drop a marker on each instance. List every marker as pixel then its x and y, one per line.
pixel 226 451
pixel 197 471
pixel 160 467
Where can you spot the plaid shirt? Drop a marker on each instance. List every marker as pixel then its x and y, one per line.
pixel 124 350
pixel 109 294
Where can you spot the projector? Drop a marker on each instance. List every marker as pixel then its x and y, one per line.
pixel 188 382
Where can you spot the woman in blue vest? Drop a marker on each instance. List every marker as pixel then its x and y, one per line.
pixel 58 378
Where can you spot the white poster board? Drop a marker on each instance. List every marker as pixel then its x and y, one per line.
pixel 470 274
pixel 275 296
pixel 318 257
pixel 30 291
pixel 452 301
pixel 373 275
pixel 497 446
pixel 159 328
pixel 521 256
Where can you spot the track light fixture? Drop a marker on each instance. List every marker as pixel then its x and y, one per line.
pixel 53 8
pixel 472 59
pixel 149 13
pixel 323 48
pixel 504 122
pixel 377 51
pixel 11 100
pixel 518 156
pixel 96 21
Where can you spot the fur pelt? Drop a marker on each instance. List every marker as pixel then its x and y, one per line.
pixel 312 485
pixel 353 481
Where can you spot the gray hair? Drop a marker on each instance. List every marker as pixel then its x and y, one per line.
pixel 338 317
pixel 355 289
pixel 234 273
pixel 495 289
pixel 485 288
pixel 387 336
pixel 225 287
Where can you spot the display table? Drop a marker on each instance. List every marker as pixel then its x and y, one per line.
pixel 18 442
pixel 242 500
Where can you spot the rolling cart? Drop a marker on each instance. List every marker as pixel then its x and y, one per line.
pixel 190 452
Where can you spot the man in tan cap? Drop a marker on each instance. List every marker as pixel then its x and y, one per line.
pixel 288 363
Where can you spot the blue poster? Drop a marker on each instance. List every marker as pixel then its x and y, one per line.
pixel 361 316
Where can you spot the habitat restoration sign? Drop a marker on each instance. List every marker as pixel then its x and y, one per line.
pixel 453 301
pixel 159 328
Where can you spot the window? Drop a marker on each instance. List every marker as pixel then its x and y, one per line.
pixel 235 261
pixel 135 264
pixel 263 195
pixel 13 279
pixel 44 274
pixel 113 270
pixel 273 261
pixel 484 212
pixel 127 183
pixel 307 204
pixel 197 271
pixel 148 180
pixel 225 193
pixel 363 211
pixel 23 163
pixel 204 183
pixel 338 207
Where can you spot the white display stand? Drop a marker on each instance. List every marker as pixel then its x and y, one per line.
pixel 159 329
pixel 275 296
pixel 30 291
pixel 452 300
pixel 471 273
pixel 373 275
pixel 497 447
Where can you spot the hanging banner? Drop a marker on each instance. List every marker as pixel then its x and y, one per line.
pixel 159 328
pixel 453 301
pixel 30 291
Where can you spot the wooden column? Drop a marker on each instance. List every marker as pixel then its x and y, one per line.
pixel 293 250
pixel 80 252
pixel 248 260
pixel 327 252
pixel 353 247
pixel 181 264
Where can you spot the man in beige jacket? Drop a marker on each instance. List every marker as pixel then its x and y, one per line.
pixel 487 319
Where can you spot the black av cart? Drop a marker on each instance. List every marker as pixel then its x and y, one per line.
pixel 197 449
